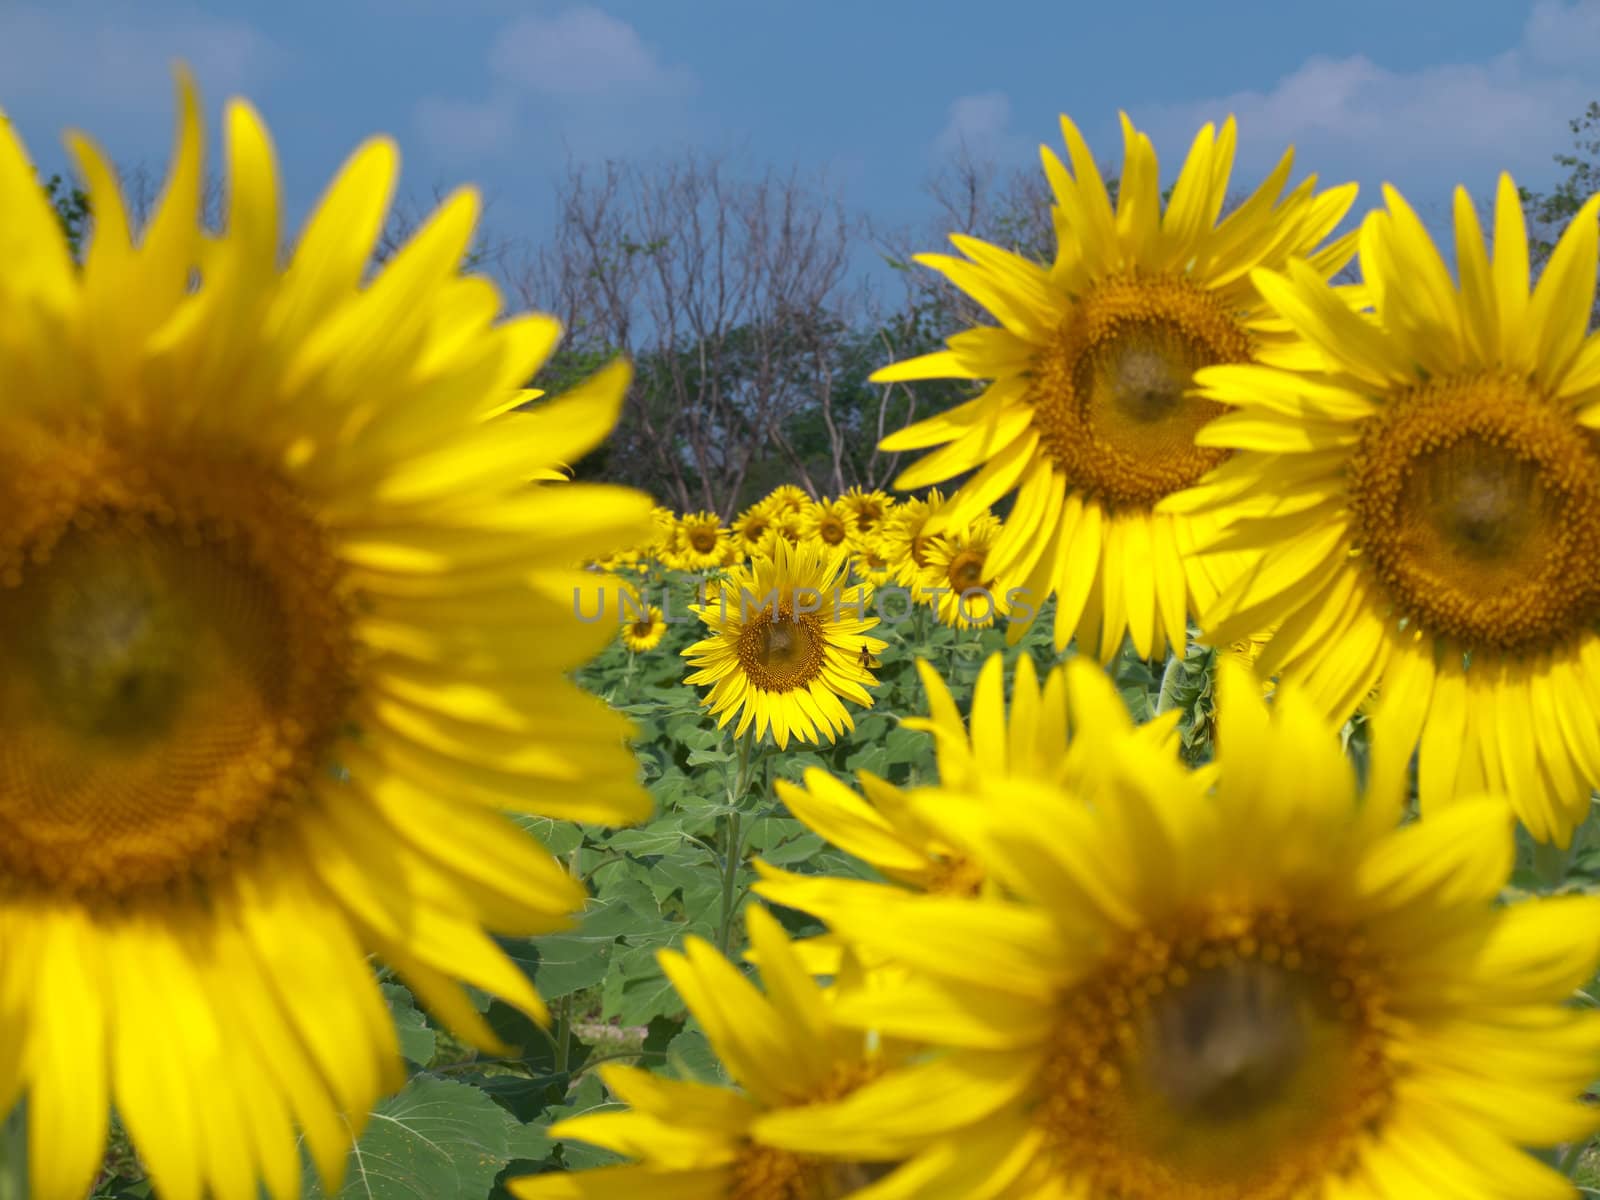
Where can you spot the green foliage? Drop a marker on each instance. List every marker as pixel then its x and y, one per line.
pixel 1550 212
pixel 72 210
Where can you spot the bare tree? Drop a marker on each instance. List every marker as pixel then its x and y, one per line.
pixel 728 294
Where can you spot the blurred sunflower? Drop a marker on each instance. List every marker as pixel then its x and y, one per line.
pixel 1261 992
pixel 786 645
pixel 693 1141
pixel 1088 417
pixel 958 577
pixel 1426 495
pixel 665 540
pixel 284 630
pixel 867 509
pixel 829 522
pixel 703 542
pixel 644 633
pixel 787 498
pixel 753 531
pixel 905 538
pixel 868 561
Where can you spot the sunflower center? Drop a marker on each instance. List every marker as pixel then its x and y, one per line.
pixel 1108 394
pixel 1477 506
pixel 966 571
pixel 1239 1062
pixel 831 530
pixel 643 628
pixel 766 1173
pixel 780 651
pixel 174 662
pixel 703 540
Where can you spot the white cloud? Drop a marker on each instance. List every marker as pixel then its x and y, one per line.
pixel 1352 117
pixel 978 126
pixel 583 52
pixel 122 61
pixel 580 73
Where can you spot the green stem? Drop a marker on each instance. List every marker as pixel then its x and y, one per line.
pixel 14 1157
pixel 1170 678
pixel 563 1034
pixel 733 846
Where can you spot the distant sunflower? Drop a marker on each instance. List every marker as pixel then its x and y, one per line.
pixel 1259 992
pixel 786 643
pixel 753 531
pixel 867 509
pixel 665 542
pixel 828 521
pixel 868 561
pixel 787 498
pixel 1427 498
pixel 644 633
pixel 958 580
pixel 703 542
pixel 283 629
pixel 1088 419
pixel 695 1141
pixel 905 536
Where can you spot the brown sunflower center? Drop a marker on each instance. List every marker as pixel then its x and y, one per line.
pixel 1242 1062
pixel 175 660
pixel 966 571
pixel 780 651
pixel 1477 506
pixel 755 528
pixel 831 529
pixel 643 628
pixel 703 540
pixel 766 1173
pixel 1108 394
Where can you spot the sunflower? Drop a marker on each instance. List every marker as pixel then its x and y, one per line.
pixel 868 561
pixel 829 522
pixel 905 538
pixel 285 630
pixel 644 633
pixel 753 531
pixel 786 644
pixel 1051 738
pixel 787 498
pixel 1427 498
pixel 695 1140
pixel 958 578
pixel 867 509
pixel 1087 417
pixel 665 542
pixel 704 543
pixel 1266 992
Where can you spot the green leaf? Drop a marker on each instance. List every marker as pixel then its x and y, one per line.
pixel 435 1140
pixel 417 1041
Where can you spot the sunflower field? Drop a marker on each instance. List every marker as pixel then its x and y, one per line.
pixel 1180 785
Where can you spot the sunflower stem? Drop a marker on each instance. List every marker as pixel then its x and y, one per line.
pixel 733 846
pixel 1568 1164
pixel 563 1034
pixel 14 1157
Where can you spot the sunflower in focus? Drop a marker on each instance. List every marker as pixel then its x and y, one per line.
pixel 1088 418
pixel 1260 992
pixel 786 644
pixel 704 543
pixel 867 509
pixel 644 632
pixel 695 1140
pixel 905 538
pixel 829 522
pixel 1426 499
pixel 958 578
pixel 285 629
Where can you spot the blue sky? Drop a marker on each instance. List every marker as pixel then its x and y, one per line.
pixel 873 92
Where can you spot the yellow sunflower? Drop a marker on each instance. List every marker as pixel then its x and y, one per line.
pixel 1262 993
pixel 829 522
pixel 694 1141
pixel 665 542
pixel 703 542
pixel 285 630
pixel 905 536
pixel 958 577
pixel 787 641
pixel 753 531
pixel 867 509
pixel 787 498
pixel 868 561
pixel 1428 500
pixel 1087 417
pixel 644 633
